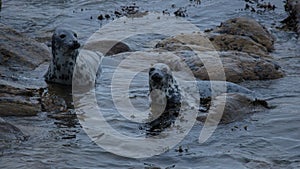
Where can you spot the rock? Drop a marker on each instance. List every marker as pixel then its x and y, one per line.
pixel 238 66
pixel 247 27
pixel 237 107
pixel 19 101
pixel 219 42
pixel 225 42
pixel 22 66
pixel 9 132
pixel 293 20
pixel 57 98
pixel 131 11
pixel 205 89
pixel 194 41
pixel 241 44
pixel 19 53
pixel 108 47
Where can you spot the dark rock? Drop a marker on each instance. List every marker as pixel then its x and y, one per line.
pixel 107 16
pixel 108 47
pixel 293 20
pixel 100 17
pixel 131 11
pixel 259 7
pixel 181 12
pixel 231 107
pixel 9 132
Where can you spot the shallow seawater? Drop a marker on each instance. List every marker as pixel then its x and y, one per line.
pixel 267 139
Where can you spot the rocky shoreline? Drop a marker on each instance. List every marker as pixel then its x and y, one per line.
pixel 243 44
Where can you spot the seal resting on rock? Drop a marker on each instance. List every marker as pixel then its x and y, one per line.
pixel 65 51
pixel 166 97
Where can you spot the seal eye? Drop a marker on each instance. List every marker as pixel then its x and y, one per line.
pixel 62 36
pixel 75 35
pixel 151 69
pixel 165 69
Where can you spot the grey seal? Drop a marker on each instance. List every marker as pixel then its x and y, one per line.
pixel 64 51
pixel 170 95
pixel 165 97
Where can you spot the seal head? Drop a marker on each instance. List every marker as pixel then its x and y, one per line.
pixel 161 78
pixel 64 51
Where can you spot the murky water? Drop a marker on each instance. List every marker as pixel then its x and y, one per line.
pixel 268 139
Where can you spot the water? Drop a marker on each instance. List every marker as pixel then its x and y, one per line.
pixel 267 139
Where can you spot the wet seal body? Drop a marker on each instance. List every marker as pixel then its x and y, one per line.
pixel 165 97
pixel 65 51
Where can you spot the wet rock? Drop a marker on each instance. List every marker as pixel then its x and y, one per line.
pixel 293 20
pixel 19 101
pixel 56 98
pixel 238 67
pixel 181 12
pixel 210 89
pixel 19 53
pixel 131 11
pixel 247 27
pixel 231 107
pixel 259 7
pixel 249 61
pixel 108 47
pixel 21 69
pixel 100 17
pixel 225 42
pixel 219 42
pixel 9 132
pixel 195 41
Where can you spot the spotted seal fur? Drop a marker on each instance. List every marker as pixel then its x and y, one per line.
pixel 161 78
pixel 65 51
pixel 165 96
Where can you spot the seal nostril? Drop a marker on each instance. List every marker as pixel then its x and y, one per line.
pixel 76 44
pixel 62 36
pixel 156 77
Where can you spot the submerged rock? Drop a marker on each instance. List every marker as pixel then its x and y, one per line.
pixel 108 47
pixel 293 20
pixel 9 132
pixel 230 107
